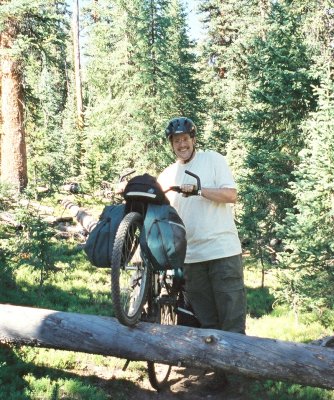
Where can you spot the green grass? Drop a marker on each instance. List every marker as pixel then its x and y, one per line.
pixel 28 373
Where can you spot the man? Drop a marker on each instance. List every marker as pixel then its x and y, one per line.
pixel 213 269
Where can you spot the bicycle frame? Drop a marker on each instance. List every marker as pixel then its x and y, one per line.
pixel 140 292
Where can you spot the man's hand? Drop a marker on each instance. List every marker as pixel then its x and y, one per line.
pixel 187 188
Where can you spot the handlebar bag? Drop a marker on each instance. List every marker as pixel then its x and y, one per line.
pixel 100 242
pixel 163 239
pixel 145 188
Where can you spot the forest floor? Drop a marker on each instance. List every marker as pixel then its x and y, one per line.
pixel 183 384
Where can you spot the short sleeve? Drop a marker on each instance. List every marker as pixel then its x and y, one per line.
pixel 223 174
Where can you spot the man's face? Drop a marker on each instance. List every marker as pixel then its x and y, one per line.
pixel 183 146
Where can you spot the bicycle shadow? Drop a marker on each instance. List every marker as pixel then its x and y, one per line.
pixel 196 383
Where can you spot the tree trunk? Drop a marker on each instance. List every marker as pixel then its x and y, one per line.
pixel 87 221
pixel 13 145
pixel 77 65
pixel 207 348
pixel 95 14
pixel 264 6
pixel 1 121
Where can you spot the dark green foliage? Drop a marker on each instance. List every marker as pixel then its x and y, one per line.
pixel 309 276
pixel 42 31
pixel 271 390
pixel 7 236
pixel 259 302
pixel 144 62
pixel 21 379
pixel 280 97
pixel 230 24
pixel 264 67
pixel 34 245
pixel 11 371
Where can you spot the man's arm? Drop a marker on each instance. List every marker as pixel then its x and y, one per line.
pixel 219 195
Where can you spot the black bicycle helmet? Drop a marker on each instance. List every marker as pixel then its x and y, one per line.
pixel 177 126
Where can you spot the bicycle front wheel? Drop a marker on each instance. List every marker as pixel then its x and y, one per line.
pixel 129 273
pixel 158 374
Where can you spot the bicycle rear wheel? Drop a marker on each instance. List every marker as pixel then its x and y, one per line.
pixel 158 374
pixel 130 275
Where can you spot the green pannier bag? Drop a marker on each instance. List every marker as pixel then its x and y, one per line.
pixel 100 242
pixel 163 239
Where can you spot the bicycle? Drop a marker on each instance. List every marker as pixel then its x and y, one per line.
pixel 140 292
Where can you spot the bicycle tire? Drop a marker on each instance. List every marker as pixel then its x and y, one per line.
pixel 129 279
pixel 158 374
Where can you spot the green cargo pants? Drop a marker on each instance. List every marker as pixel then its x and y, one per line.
pixel 217 294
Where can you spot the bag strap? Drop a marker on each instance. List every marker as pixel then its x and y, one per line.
pixel 150 215
pixel 102 223
pixel 104 219
pixel 150 218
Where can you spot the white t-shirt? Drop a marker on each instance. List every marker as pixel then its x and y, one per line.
pixel 210 227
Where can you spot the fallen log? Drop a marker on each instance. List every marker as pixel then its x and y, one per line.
pixel 41 209
pixel 176 345
pixel 85 219
pixel 10 219
pixel 327 341
pixel 64 231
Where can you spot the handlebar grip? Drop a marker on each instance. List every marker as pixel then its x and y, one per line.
pixel 196 177
pixel 179 190
pixel 176 189
pixel 187 194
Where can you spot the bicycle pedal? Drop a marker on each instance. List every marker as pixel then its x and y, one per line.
pixel 166 300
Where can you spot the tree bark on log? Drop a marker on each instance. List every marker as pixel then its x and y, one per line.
pixel 9 219
pixel 86 220
pixel 176 345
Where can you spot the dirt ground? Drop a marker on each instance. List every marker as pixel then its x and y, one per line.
pixel 183 384
pixel 196 384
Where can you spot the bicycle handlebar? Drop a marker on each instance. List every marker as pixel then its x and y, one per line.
pixel 196 177
pixel 122 177
pixel 194 192
pixel 177 189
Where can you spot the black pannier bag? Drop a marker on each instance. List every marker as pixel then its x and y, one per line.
pixel 100 242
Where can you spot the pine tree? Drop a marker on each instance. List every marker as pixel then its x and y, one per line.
pixel 147 76
pixel 230 26
pixel 309 276
pixel 280 98
pixel 33 34
pixel 307 269
pixel 13 146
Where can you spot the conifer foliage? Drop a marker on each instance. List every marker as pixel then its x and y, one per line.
pixel 309 274
pixel 280 90
pixel 33 37
pixel 308 269
pixel 141 52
